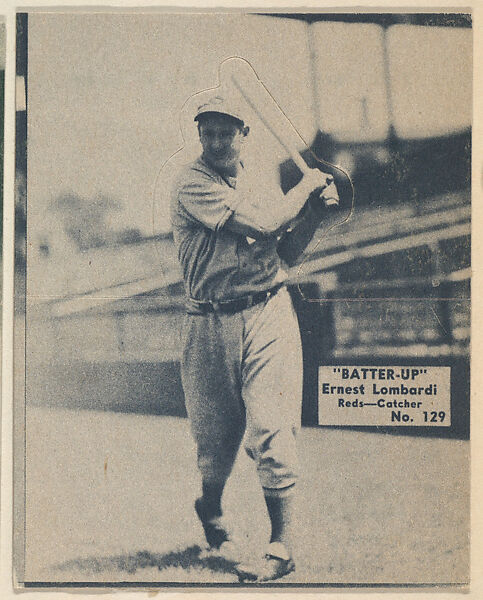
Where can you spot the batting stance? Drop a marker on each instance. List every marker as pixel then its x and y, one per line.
pixel 242 360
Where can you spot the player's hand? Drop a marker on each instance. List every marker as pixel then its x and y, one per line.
pixel 317 181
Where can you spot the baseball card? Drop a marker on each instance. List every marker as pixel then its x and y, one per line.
pixel 242 300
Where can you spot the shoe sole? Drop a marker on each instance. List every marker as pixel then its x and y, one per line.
pixel 252 577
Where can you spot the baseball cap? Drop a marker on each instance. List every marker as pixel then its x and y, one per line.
pixel 220 104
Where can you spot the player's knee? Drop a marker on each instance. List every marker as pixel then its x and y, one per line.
pixel 275 455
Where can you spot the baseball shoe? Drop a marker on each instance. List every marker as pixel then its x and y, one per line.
pixel 216 533
pixel 276 563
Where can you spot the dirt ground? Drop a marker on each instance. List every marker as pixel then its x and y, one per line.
pixel 110 499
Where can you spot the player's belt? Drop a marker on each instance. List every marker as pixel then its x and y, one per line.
pixel 231 306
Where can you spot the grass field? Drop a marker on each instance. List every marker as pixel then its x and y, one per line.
pixel 110 499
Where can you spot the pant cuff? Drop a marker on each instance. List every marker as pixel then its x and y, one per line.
pixel 279 492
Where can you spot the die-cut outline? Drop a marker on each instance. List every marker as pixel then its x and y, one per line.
pixel 190 99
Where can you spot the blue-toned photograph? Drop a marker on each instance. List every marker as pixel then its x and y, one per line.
pixel 242 300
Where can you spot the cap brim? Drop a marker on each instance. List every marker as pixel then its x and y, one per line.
pixel 219 112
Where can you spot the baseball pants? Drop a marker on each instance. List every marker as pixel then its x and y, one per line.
pixel 242 373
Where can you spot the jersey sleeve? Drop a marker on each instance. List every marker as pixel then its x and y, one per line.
pixel 246 209
pixel 207 201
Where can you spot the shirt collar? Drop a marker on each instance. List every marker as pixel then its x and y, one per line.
pixel 205 167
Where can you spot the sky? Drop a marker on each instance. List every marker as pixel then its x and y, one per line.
pixel 106 91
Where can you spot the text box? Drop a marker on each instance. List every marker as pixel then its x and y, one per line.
pixel 386 396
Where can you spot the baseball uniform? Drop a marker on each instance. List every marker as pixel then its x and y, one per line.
pixel 241 364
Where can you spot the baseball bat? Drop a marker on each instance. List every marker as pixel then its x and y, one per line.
pixel 258 99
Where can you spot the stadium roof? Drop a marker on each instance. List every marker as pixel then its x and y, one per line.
pixel 385 19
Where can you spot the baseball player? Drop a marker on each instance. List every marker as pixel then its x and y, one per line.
pixel 241 362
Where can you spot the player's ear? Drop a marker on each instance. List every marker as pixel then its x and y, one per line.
pixel 245 130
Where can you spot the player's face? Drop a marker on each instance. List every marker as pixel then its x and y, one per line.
pixel 221 139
